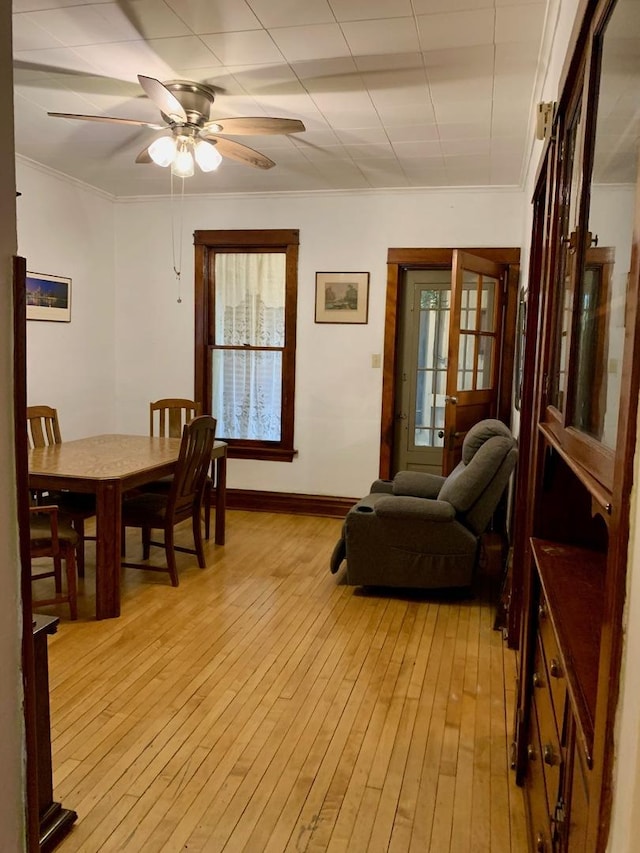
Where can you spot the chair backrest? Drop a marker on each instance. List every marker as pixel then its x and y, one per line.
pixel 172 414
pixel 42 426
pixel 192 466
pixel 476 484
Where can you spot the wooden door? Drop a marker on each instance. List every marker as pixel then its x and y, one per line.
pixel 422 370
pixel 478 289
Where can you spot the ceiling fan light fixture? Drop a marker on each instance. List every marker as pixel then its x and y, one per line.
pixel 163 151
pixel 207 156
pixel 182 166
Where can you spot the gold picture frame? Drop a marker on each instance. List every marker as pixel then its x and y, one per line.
pixel 342 297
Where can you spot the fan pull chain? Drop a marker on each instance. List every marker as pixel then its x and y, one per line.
pixel 177 265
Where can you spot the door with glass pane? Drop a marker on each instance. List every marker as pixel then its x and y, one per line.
pixel 477 292
pixel 424 338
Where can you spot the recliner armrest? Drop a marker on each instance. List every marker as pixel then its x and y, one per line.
pixel 417 484
pixel 406 507
pixel 385 486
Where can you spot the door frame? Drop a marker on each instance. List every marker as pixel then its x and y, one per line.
pixel 397 261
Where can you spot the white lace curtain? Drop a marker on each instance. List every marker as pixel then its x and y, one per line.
pixel 249 311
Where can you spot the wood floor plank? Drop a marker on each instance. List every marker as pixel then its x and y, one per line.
pixel 462 807
pixel 263 706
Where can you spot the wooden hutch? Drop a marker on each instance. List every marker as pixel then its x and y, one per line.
pixel 578 436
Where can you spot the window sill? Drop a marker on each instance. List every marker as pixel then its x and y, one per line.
pixel 266 454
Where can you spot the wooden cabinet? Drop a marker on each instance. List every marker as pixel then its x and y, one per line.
pixel 564 686
pixel 577 438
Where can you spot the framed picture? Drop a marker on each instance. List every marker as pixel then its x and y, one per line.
pixel 48 297
pixel 342 297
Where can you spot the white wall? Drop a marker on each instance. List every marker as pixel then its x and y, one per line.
pixel 67 229
pixel 12 823
pixel 338 393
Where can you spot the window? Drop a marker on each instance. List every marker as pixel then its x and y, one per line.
pixel 245 303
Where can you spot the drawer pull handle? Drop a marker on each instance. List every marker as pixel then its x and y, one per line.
pixel 548 755
pixel 555 669
pixel 531 753
pixel 540 843
pixel 538 680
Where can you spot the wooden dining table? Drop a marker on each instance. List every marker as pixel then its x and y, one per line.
pixel 108 466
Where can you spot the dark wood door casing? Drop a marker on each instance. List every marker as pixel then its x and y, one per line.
pixel 399 260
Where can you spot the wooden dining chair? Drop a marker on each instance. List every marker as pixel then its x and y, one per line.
pixel 167 417
pixel 42 426
pixel 51 535
pixel 43 429
pixel 159 510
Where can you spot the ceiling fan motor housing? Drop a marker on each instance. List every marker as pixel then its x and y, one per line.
pixel 195 98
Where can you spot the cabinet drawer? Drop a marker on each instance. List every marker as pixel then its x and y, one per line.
pixel 550 754
pixel 538 812
pixel 553 662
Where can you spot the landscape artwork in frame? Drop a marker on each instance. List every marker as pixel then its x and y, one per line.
pixel 342 297
pixel 48 297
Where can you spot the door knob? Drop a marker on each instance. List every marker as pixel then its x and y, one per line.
pixel 449 399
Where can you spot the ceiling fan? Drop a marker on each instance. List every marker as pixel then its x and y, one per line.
pixel 189 133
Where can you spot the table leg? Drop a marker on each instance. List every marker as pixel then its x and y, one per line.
pixel 221 498
pixel 108 526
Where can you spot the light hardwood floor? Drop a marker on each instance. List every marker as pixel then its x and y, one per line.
pixel 263 705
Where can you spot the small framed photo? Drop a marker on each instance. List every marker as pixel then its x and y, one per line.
pixel 342 297
pixel 48 297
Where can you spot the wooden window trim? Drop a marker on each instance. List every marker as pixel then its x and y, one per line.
pixel 207 243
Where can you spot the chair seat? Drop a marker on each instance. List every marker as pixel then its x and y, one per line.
pixel 147 509
pixel 40 532
pixel 163 486
pixel 51 535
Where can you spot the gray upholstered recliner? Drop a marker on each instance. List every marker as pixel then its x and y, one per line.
pixel 422 530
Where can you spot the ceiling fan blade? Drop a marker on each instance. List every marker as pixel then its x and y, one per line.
pixel 257 125
pixel 241 153
pixel 163 98
pixel 144 156
pixel 137 122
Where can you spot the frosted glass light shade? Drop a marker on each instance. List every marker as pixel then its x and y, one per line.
pixel 182 166
pixel 163 150
pixel 207 156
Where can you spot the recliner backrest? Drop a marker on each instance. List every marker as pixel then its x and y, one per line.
pixel 475 486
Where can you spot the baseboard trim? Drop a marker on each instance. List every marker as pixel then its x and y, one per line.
pixel 289 502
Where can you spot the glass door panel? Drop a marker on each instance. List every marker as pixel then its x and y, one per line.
pixel 431 373
pixel 602 286
pixel 571 183
pixel 472 377
pixel 424 342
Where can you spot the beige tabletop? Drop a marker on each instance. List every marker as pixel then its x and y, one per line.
pixel 103 457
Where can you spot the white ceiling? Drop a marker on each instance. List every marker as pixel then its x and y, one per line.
pixel 393 93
